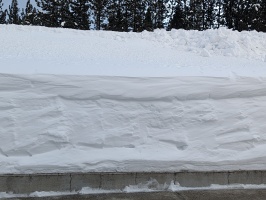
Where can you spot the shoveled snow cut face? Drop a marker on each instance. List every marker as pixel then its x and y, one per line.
pixel 52 123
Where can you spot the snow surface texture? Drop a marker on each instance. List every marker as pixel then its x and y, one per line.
pixel 59 123
pixel 33 50
pixel 53 123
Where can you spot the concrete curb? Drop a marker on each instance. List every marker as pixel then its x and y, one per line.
pixel 28 183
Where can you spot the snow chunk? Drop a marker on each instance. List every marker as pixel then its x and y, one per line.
pixel 89 190
pixel 49 194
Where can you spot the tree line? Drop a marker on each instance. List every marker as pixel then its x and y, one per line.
pixel 139 15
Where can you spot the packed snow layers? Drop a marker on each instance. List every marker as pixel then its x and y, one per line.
pixel 56 123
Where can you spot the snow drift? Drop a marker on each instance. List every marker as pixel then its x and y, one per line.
pixel 183 103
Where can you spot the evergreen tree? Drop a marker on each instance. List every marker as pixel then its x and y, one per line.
pixel 117 22
pixel 159 12
pixel 126 15
pixel 99 8
pixel 28 13
pixel 178 21
pixel 209 14
pixel 80 13
pixel 238 12
pixel 67 19
pixel 31 17
pixel 55 13
pixel 49 15
pixel 2 13
pixel 218 14
pixel 148 21
pixel 22 16
pixel 262 16
pixel 119 15
pixel 252 14
pixel 196 15
pixel 137 15
pixel 230 11
pixel 13 13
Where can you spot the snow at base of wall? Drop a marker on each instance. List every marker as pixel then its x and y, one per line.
pixel 58 123
pixel 150 186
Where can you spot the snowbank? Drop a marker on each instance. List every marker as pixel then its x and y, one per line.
pixel 209 117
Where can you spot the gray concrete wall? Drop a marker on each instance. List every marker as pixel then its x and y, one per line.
pixel 27 183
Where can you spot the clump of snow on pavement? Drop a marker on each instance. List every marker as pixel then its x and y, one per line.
pixel 4 195
pixel 153 185
pixel 49 194
pixel 89 190
pixel 149 186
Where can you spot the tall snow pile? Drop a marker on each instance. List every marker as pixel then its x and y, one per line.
pixel 104 101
